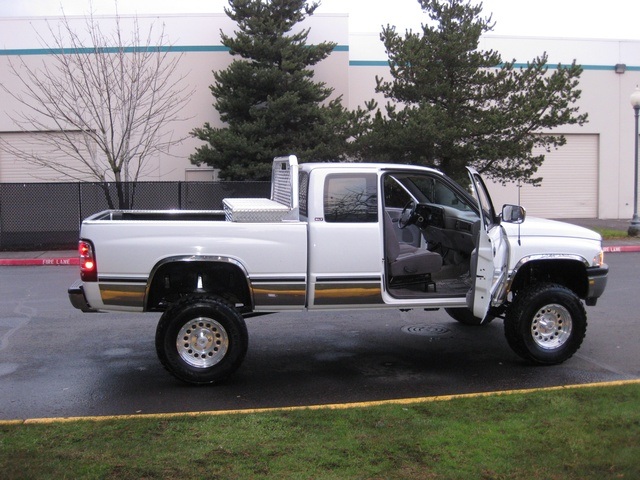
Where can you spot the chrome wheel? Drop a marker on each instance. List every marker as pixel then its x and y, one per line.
pixel 546 323
pixel 202 342
pixel 551 326
pixel 201 339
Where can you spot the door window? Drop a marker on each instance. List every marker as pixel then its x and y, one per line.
pixel 480 189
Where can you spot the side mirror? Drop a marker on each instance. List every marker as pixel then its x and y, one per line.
pixel 513 214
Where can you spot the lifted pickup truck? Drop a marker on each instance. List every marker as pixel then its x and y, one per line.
pixel 340 236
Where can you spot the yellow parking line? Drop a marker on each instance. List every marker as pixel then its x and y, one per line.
pixel 336 406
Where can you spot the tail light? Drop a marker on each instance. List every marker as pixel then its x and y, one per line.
pixel 88 268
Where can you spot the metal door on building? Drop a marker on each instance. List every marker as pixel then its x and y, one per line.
pixel 569 187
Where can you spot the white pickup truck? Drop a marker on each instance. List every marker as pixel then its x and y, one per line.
pixel 340 236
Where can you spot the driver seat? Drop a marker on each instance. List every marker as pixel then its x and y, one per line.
pixel 408 264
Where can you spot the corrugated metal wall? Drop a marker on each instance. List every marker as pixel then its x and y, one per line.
pixel 45 145
pixel 570 181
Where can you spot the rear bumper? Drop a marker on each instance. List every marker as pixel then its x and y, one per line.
pixel 597 277
pixel 78 298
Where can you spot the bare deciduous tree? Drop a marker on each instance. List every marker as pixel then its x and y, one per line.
pixel 102 100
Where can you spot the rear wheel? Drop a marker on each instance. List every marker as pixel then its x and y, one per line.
pixel 546 325
pixel 201 339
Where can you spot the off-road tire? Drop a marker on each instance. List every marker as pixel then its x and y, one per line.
pixel 201 339
pixel 546 324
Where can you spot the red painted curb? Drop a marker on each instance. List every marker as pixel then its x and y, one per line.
pixel 625 248
pixel 26 262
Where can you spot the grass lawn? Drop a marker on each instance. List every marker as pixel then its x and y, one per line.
pixel 611 234
pixel 574 433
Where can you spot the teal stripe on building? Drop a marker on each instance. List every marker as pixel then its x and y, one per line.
pixel 611 68
pixel 165 48
pixel 222 49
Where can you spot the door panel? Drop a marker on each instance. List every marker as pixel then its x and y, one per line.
pixel 492 252
pixel 345 265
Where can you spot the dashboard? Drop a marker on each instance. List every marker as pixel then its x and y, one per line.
pixel 452 228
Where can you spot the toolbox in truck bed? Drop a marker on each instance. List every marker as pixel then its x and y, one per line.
pixel 255 210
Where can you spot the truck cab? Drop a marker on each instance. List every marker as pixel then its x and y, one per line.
pixel 409 235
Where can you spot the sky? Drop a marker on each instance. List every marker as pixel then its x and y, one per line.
pixel 612 19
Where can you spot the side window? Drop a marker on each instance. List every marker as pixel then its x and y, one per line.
pixel 350 198
pixel 484 199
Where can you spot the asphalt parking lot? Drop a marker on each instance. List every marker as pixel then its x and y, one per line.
pixel 58 362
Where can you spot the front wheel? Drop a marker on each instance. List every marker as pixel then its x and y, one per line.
pixel 546 325
pixel 201 339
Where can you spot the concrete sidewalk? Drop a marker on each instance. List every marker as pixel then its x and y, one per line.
pixel 70 257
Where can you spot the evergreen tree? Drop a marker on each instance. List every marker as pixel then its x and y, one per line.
pixel 453 105
pixel 268 99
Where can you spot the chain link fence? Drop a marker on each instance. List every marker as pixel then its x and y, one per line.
pixel 48 215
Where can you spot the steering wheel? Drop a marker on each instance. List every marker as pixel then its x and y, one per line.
pixel 408 215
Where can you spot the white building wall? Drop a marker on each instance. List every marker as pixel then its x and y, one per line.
pixel 605 97
pixel 351 70
pixel 197 39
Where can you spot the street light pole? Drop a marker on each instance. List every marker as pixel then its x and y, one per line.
pixel 634 227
